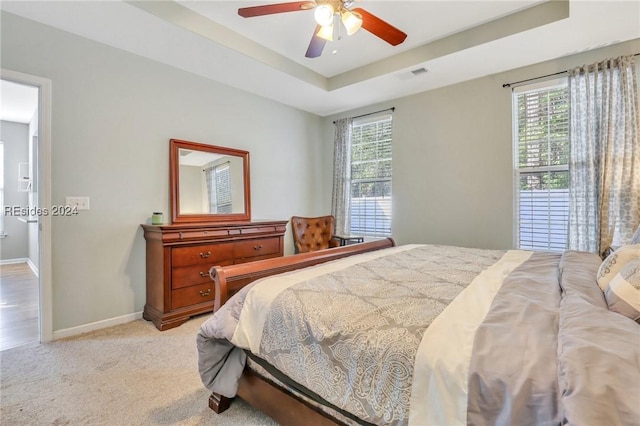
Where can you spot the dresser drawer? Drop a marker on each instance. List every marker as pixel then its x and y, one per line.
pixel 192 295
pixel 186 276
pixel 209 254
pixel 257 247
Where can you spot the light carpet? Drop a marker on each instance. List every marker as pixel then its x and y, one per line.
pixel 131 374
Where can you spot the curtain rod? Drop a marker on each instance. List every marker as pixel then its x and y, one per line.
pixel 543 76
pixel 374 112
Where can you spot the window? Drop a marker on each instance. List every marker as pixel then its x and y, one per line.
pixel 221 201
pixel 371 176
pixel 541 147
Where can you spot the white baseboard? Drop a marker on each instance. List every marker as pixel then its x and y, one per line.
pixel 74 331
pixel 33 267
pixel 13 261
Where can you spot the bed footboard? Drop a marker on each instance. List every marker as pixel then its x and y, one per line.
pixel 229 279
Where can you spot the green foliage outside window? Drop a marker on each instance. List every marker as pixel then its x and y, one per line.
pixel 371 160
pixel 543 138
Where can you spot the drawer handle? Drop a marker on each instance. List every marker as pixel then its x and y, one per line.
pixel 205 293
pixel 205 255
pixel 256 248
pixel 204 274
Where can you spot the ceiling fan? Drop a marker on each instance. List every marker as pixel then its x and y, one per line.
pixel 324 12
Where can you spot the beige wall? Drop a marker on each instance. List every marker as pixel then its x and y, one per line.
pixel 191 190
pixel 113 115
pixel 452 157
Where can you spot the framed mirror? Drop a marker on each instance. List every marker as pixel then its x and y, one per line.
pixel 208 183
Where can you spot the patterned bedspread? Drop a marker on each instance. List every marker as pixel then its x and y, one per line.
pixel 423 335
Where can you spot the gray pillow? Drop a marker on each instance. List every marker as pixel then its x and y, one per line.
pixel 623 293
pixel 615 262
pixel 636 237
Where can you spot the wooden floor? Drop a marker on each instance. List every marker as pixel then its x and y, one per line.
pixel 18 306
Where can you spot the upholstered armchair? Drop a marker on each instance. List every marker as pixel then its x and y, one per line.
pixel 313 233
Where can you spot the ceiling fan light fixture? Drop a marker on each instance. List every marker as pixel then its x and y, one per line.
pixel 326 32
pixel 351 21
pixel 324 14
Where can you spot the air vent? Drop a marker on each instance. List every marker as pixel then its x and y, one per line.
pixel 410 75
pixel 419 71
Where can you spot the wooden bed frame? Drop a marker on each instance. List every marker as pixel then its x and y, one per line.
pixel 270 398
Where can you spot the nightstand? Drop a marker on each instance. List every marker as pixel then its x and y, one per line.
pixel 349 239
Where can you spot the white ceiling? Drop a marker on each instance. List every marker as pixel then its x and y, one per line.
pixel 197 158
pixel 18 103
pixel 454 40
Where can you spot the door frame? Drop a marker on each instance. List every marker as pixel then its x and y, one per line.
pixel 45 278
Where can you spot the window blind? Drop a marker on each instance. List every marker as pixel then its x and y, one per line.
pixel 223 188
pixel 542 166
pixel 371 174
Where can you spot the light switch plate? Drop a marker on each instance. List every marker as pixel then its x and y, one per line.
pixel 81 203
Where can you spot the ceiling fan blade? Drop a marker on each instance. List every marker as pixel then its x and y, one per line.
pixel 380 28
pixel 316 46
pixel 269 9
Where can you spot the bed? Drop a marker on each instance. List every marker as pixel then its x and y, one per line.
pixel 375 333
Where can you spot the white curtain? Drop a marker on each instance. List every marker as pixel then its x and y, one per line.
pixel 341 199
pixel 604 165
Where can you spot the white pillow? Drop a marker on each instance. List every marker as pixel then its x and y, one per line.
pixel 615 262
pixel 636 237
pixel 623 293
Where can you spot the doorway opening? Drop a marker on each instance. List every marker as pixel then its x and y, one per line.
pixel 25 234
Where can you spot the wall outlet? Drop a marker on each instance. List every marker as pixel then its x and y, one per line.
pixel 81 203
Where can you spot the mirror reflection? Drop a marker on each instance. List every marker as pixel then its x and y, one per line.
pixel 210 183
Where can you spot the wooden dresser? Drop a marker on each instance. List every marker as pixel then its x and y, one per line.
pixel 179 258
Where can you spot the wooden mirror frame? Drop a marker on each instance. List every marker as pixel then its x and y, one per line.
pixel 174 176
